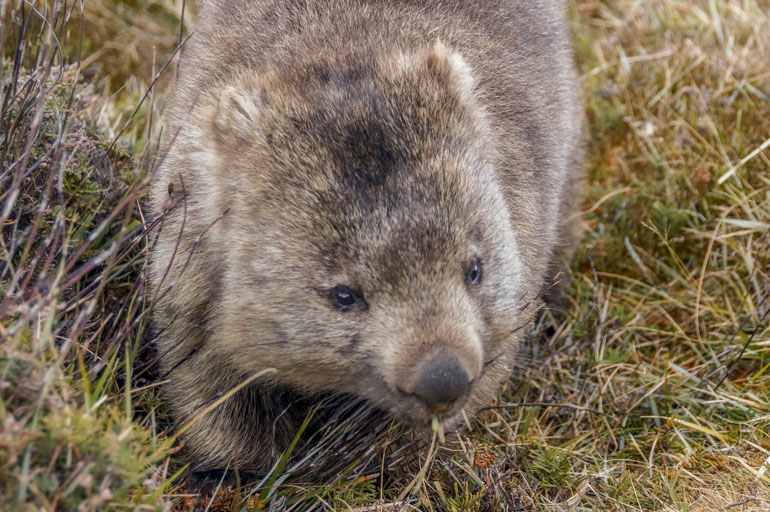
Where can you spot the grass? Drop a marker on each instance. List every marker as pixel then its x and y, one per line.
pixel 649 391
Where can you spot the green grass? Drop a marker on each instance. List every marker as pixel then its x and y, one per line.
pixel 650 391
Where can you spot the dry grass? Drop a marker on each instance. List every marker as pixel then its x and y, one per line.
pixel 650 391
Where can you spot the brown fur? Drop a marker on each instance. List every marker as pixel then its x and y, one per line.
pixel 377 144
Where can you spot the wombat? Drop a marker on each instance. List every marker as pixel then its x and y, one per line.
pixel 366 197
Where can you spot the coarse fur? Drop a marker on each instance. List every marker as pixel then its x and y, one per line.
pixel 381 145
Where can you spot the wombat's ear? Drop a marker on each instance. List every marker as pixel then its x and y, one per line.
pixel 447 67
pixel 237 111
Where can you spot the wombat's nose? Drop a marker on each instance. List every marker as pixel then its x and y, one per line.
pixel 441 381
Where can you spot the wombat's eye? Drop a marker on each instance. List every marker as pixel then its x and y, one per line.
pixel 474 272
pixel 344 298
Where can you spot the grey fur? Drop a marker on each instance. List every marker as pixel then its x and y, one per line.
pixel 377 144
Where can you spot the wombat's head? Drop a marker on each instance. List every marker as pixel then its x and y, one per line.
pixel 368 246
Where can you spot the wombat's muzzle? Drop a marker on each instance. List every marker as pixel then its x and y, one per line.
pixel 441 381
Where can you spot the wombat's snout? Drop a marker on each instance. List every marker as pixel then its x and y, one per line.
pixel 441 381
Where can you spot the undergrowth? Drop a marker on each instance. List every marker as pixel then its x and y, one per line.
pixel 650 389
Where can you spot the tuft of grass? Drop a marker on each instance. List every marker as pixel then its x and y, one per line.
pixel 650 390
pixel 79 425
pixel 126 45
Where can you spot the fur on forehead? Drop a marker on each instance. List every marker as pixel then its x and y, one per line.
pixel 239 105
pixel 373 147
